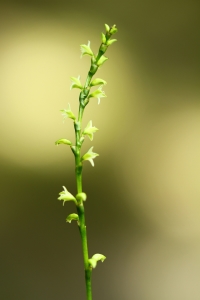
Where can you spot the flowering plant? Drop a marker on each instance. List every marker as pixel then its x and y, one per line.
pixel 84 98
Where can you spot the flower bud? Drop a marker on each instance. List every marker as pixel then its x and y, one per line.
pixel 72 217
pixel 97 81
pixel 101 60
pixel 107 27
pixel 110 42
pixel 95 258
pixel 63 141
pixel 90 130
pixel 89 156
pixel 113 29
pixel 103 38
pixel 81 196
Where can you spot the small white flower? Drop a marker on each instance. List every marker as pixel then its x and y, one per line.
pixel 66 196
pixel 76 83
pixel 90 130
pixel 90 156
pixel 86 50
pixel 98 94
pixel 67 113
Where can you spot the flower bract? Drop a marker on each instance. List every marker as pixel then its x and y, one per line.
pixel 72 217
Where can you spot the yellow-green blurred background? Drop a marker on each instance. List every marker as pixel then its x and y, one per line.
pixel 143 207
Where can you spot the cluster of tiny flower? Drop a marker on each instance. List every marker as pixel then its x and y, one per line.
pixel 84 98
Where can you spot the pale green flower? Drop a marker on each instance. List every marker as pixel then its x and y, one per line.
pixel 89 130
pixel 98 94
pixel 110 42
pixel 66 196
pixel 113 29
pixel 76 83
pixel 97 81
pixel 95 258
pixel 67 113
pixel 86 50
pixel 90 156
pixel 101 60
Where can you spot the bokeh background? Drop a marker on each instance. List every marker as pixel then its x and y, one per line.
pixel 143 207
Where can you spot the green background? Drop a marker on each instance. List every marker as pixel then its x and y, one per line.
pixel 143 206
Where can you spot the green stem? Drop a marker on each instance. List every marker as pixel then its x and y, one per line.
pixel 80 206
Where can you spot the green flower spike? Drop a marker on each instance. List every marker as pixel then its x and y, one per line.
pixel 72 217
pixel 97 81
pixel 90 156
pixel 66 196
pixel 95 258
pixel 63 141
pixel 101 60
pixel 76 83
pixel 86 50
pixel 90 130
pixel 98 94
pixel 67 113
